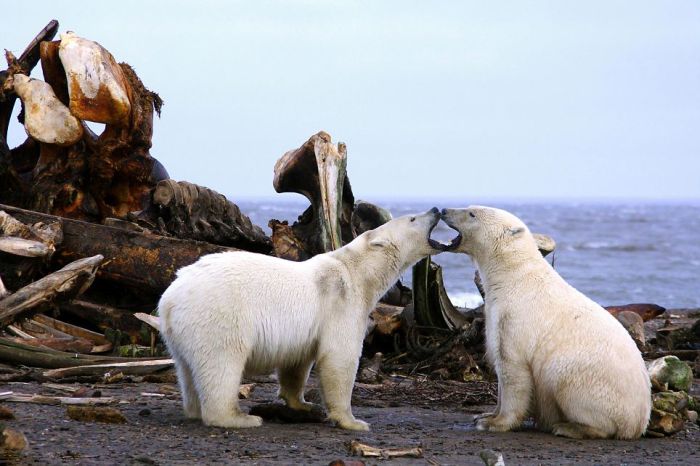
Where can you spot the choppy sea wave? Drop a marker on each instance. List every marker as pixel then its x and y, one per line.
pixel 616 253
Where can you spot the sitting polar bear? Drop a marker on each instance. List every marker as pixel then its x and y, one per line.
pixel 237 312
pixel 558 355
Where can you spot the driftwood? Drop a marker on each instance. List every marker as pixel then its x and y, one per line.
pixel 431 305
pixel 14 189
pixel 361 449
pixel 152 321
pixel 71 345
pixel 23 247
pixel 132 367
pixel 104 317
pixel 317 171
pixel 63 284
pixel 58 400
pixel 95 338
pixel 141 260
pixel 188 211
pixel 26 355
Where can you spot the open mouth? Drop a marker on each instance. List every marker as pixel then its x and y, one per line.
pixel 442 246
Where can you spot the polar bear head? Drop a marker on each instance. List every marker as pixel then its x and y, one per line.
pixel 486 234
pixel 406 239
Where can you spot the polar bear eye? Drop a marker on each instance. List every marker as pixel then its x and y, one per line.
pixel 413 219
pixel 471 214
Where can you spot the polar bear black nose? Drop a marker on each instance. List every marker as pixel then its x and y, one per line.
pixel 434 210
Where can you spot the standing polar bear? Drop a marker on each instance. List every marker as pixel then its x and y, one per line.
pixel 558 355
pixel 237 312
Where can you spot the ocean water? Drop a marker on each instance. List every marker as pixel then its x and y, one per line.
pixel 614 252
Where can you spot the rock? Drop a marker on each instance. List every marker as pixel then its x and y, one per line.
pixel 692 416
pixel 646 311
pixel 6 413
pixel 670 373
pixel 634 324
pixel 665 423
pixel 679 335
pixel 95 414
pixel 13 440
pixel 492 457
pixel 370 371
pixel 669 412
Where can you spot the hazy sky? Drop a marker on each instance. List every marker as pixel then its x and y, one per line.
pixel 514 99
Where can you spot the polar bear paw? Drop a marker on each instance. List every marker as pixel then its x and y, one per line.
pixel 302 405
pixel 242 421
pixel 492 423
pixel 353 424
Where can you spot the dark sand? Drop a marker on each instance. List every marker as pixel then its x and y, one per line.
pixel 157 433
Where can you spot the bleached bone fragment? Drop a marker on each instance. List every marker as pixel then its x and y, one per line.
pixel 46 119
pixel 96 83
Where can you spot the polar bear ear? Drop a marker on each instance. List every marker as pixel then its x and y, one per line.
pixel 516 231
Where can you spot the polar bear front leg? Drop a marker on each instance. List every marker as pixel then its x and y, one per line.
pixel 498 405
pixel 515 389
pixel 292 381
pixel 337 373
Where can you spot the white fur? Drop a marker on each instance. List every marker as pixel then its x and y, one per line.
pixel 558 355
pixel 237 312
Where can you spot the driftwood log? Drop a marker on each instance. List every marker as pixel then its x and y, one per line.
pixel 188 211
pixel 20 353
pixel 141 260
pixel 317 170
pixel 64 284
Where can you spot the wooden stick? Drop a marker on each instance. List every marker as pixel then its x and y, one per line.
pixel 153 321
pixel 19 332
pixel 63 284
pixel 70 344
pixel 127 368
pixel 23 247
pixel 59 400
pixel 70 329
pixel 361 449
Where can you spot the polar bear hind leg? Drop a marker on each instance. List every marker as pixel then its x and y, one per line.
pixel 578 431
pixel 218 379
pixel 190 397
pixel 292 381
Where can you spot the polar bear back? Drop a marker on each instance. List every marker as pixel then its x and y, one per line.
pixel 261 305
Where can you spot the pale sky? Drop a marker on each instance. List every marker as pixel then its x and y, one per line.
pixel 508 99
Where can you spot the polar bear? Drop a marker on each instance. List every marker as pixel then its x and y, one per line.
pixel 558 355
pixel 237 312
